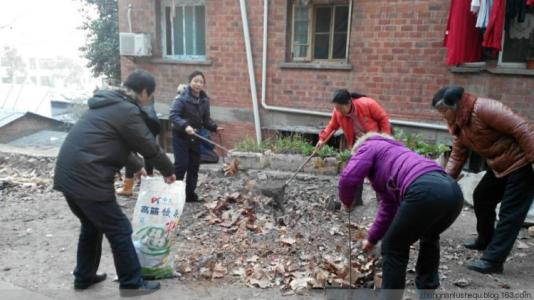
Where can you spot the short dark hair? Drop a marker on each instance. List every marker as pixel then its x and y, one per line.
pixel 341 97
pixel 140 80
pixel 195 74
pixel 356 95
pixel 450 95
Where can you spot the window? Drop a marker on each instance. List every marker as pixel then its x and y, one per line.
pixel 319 31
pixel 516 41
pixel 184 29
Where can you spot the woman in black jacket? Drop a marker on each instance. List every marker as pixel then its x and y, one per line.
pixel 189 113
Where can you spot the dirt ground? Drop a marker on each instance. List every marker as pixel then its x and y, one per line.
pixel 39 235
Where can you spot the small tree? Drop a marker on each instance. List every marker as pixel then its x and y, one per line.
pixel 102 46
pixel 12 62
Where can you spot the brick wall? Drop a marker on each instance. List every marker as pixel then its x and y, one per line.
pixel 395 50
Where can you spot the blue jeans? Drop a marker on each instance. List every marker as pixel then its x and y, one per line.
pixel 98 219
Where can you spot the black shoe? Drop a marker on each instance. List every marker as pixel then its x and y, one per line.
pixel 192 198
pixel 476 244
pixel 139 290
pixel 484 266
pixel 85 285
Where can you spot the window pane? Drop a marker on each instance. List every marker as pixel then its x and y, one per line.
pixel 340 45
pixel 179 32
pixel 516 41
pixel 301 51
pixel 301 13
pixel 168 31
pixel 200 25
pixel 301 32
pixel 321 46
pixel 189 30
pixel 341 19
pixel 322 19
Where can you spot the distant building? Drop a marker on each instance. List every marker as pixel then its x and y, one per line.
pixel 16 125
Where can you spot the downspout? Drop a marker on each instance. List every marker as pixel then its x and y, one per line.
pixel 305 111
pixel 252 78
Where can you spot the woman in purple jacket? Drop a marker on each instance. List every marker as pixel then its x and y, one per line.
pixel 417 201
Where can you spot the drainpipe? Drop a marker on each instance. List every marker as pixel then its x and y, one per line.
pixel 305 111
pixel 130 17
pixel 252 78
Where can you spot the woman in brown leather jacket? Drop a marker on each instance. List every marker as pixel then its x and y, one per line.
pixel 506 141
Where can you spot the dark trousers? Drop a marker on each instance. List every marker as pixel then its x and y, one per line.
pixel 104 218
pixel 430 205
pixel 515 193
pixel 186 160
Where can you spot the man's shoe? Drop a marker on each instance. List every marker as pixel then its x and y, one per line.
pixel 145 288
pixel 476 244
pixel 85 285
pixel 484 266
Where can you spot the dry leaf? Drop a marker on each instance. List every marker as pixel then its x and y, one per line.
pixel 219 271
pixel 288 241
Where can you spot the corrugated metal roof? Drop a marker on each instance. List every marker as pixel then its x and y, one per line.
pixel 7 117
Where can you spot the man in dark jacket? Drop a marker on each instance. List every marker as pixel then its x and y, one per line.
pixel 100 144
pixel 506 141
pixel 189 113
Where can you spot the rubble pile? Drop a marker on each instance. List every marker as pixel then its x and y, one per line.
pixel 29 173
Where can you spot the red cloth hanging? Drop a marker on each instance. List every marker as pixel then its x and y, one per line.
pixel 530 2
pixel 462 39
pixel 493 34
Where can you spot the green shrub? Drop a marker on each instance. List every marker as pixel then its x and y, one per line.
pixel 344 156
pixel 248 144
pixel 327 151
pixel 416 143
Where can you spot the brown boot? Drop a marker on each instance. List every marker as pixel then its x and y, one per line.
pixel 127 187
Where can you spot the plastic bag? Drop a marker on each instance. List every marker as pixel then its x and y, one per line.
pixel 155 220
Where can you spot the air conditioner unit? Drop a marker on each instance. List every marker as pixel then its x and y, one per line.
pixel 135 44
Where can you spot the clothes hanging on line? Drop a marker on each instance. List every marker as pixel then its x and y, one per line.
pixel 462 39
pixel 493 34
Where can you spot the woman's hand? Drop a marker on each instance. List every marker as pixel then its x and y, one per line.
pixel 189 130
pixel 170 179
pixel 220 129
pixel 319 144
pixel 367 246
pixel 140 173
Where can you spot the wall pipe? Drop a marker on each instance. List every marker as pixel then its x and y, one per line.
pixel 305 111
pixel 250 64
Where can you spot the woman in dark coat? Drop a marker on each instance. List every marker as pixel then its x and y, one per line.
pixel 189 113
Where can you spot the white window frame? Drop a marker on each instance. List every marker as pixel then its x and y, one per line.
pixel 180 3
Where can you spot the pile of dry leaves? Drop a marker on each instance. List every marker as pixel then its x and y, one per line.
pixel 241 240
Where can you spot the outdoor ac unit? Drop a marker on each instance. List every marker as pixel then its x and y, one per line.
pixel 135 44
